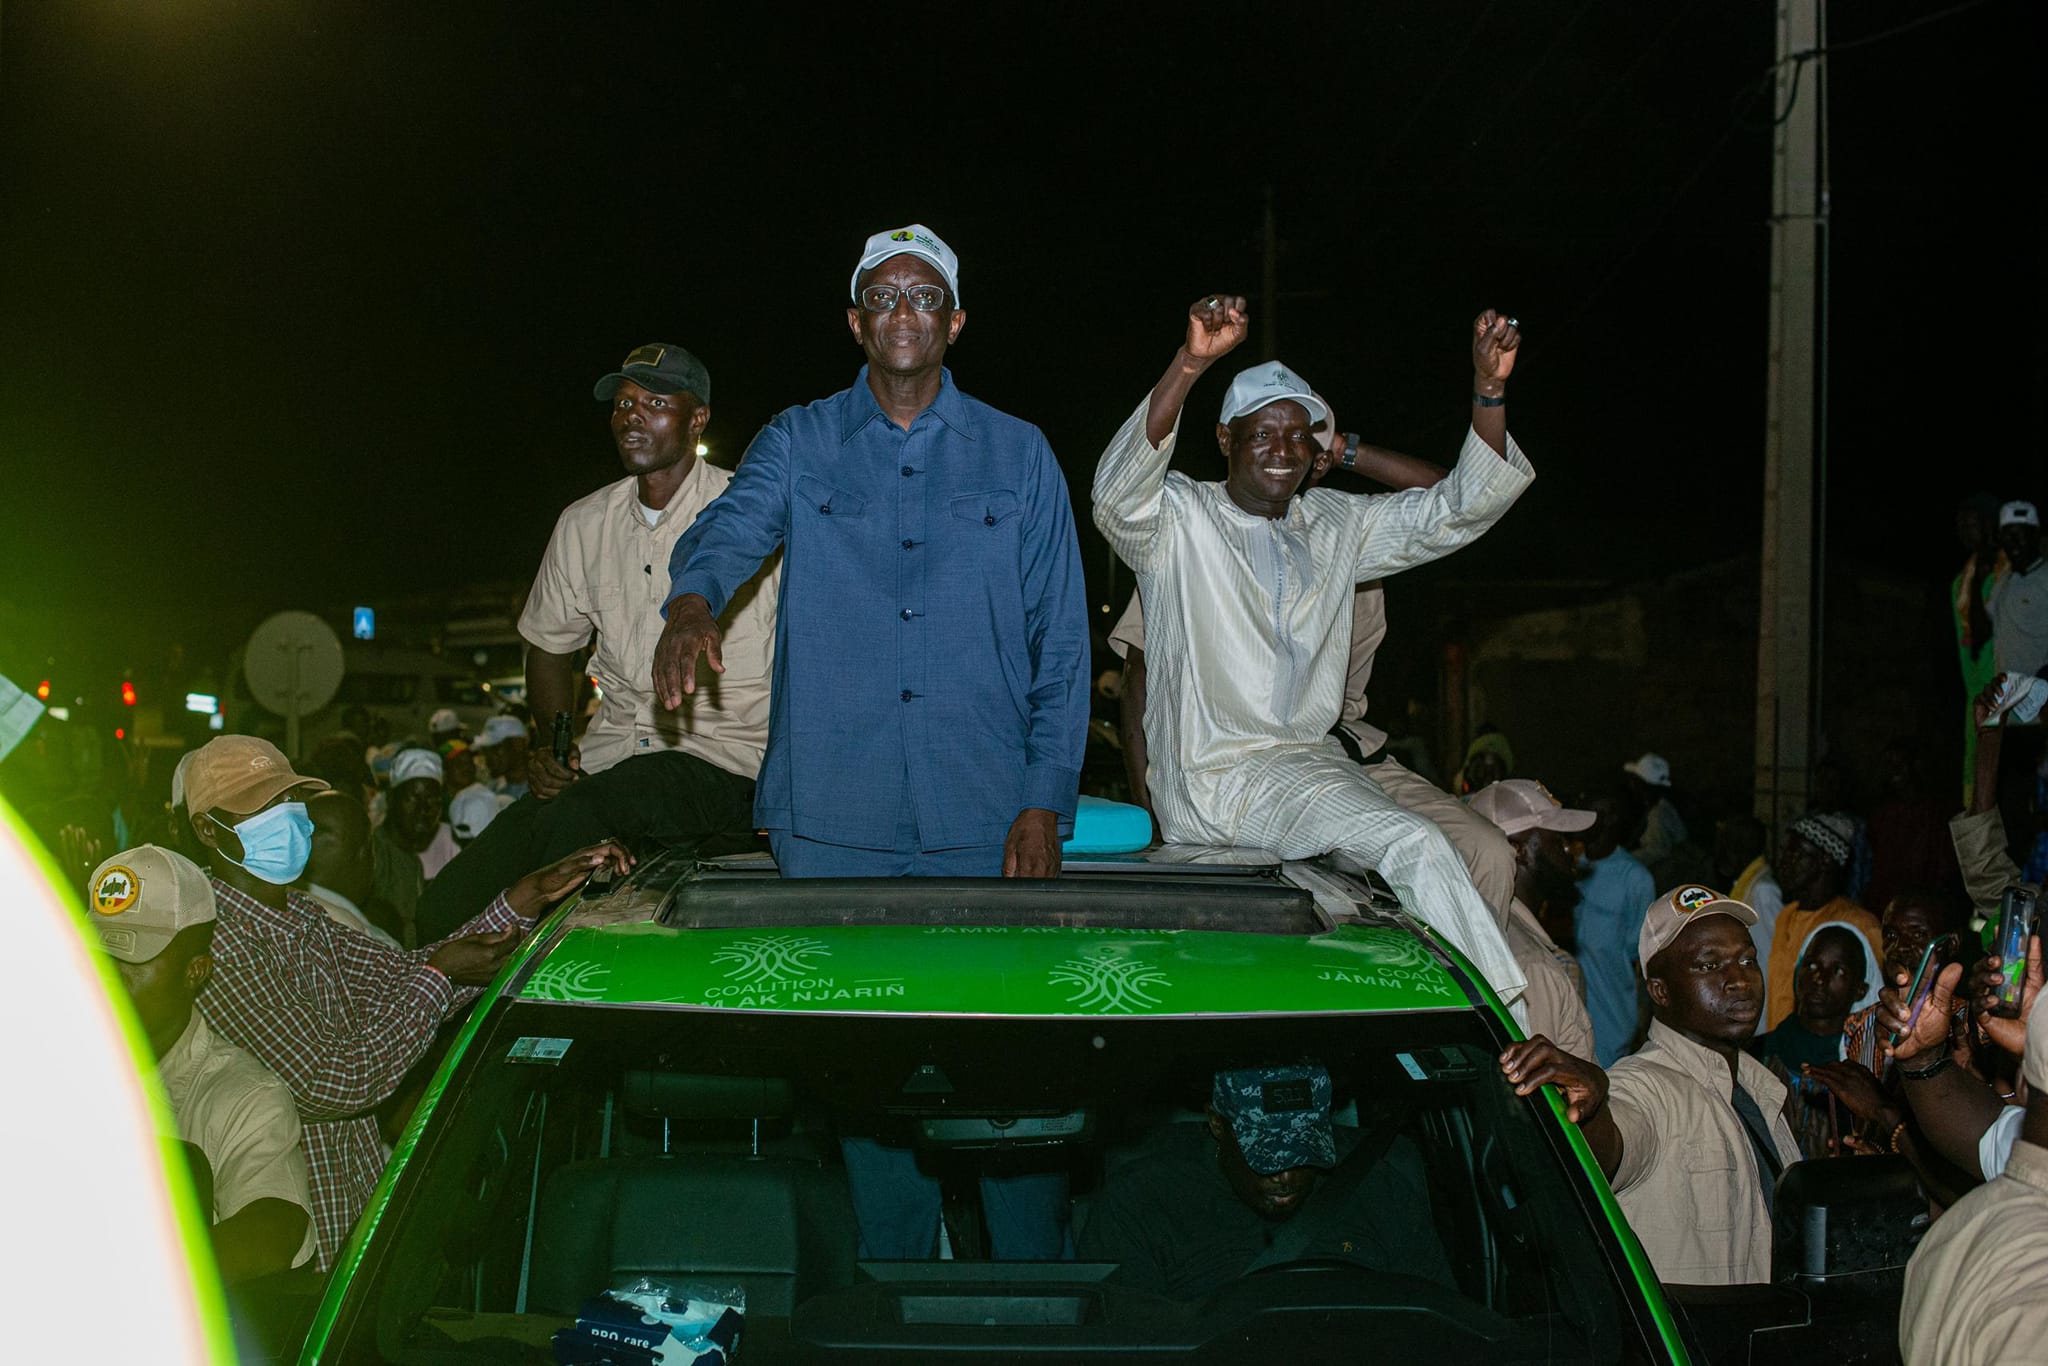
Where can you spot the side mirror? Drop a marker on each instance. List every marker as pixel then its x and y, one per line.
pixel 1847 1224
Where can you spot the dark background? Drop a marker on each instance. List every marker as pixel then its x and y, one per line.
pixel 300 303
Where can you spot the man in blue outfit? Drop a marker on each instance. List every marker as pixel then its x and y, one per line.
pixel 1614 895
pixel 930 696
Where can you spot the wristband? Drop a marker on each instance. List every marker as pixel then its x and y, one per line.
pixel 1480 400
pixel 1898 1134
pixel 1933 1069
pixel 1349 459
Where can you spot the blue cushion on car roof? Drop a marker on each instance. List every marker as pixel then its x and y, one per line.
pixel 1105 827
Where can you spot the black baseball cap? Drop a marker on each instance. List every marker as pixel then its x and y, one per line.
pixel 659 368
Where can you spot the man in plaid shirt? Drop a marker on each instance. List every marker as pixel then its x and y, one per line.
pixel 339 1016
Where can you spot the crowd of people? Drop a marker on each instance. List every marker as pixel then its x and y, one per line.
pixel 870 644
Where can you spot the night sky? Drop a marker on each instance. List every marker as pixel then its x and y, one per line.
pixel 302 302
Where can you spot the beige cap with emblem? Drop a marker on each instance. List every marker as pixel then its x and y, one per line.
pixel 1681 906
pixel 140 899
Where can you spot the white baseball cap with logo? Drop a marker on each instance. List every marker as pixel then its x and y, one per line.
pixel 2019 512
pixel 141 898
pixel 914 240
pixel 1253 389
pixel 1682 906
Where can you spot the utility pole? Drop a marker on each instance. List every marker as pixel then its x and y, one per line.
pixel 1795 428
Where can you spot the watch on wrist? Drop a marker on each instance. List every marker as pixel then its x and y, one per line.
pixel 1480 400
pixel 1935 1068
pixel 1349 459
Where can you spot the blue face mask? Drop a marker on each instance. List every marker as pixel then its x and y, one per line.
pixel 275 843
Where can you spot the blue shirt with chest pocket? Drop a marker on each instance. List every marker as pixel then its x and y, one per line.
pixel 932 637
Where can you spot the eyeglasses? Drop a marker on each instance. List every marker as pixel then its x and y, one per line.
pixel 923 298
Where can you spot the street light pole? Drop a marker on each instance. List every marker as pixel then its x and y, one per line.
pixel 1795 437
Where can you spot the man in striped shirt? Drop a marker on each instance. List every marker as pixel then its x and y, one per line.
pixel 1247 585
pixel 338 1015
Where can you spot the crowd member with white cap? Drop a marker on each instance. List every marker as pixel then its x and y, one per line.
pixel 1813 864
pixel 2019 617
pixel 153 913
pixel 503 744
pixel 930 702
pixel 339 1016
pixel 1248 585
pixel 1479 843
pixel 412 830
pixel 1663 828
pixel 1535 824
pixel 444 728
pixel 1689 1129
pixel 1977 1286
pixel 2019 603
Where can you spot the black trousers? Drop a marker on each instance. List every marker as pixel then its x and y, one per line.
pixel 649 802
pixel 2019 764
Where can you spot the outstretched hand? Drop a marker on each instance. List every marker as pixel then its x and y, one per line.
pixel 1216 324
pixel 543 887
pixel 1495 339
pixel 691 631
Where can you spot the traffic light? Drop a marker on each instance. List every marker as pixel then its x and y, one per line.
pixel 127 693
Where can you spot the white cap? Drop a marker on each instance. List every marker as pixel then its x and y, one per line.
pixel 141 898
pixel 2019 513
pixel 415 763
pixel 1269 383
pixel 1653 769
pixel 499 728
pixel 1518 804
pixel 473 808
pixel 443 721
pixel 915 240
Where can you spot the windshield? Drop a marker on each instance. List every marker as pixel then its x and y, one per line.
pixel 582 1148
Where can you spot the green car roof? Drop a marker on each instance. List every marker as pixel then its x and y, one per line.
pixel 995 970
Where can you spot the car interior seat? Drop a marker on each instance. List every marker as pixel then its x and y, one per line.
pixel 778 1225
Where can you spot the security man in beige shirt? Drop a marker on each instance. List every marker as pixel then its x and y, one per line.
pixel 1977 1287
pixel 1690 1129
pixel 641 773
pixel 153 913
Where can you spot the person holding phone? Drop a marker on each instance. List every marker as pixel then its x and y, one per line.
pixel 1977 1286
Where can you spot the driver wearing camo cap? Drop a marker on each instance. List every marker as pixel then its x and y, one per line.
pixel 1690 1129
pixel 153 914
pixel 1264 1182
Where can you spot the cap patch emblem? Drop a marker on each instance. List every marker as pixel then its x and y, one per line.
pixel 646 355
pixel 1690 899
pixel 116 890
pixel 903 235
pixel 1280 1097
